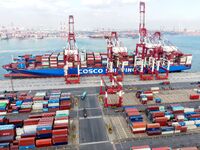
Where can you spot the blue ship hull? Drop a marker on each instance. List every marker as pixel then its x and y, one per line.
pixel 57 72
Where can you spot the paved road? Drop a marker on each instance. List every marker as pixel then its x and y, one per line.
pixel 59 83
pixel 92 130
pixel 172 141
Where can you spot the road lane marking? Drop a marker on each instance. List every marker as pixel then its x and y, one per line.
pixel 92 143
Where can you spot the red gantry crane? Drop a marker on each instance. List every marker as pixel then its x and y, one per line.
pixel 71 58
pixel 111 91
pixel 117 57
pixel 151 55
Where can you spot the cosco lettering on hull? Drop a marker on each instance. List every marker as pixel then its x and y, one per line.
pixel 92 71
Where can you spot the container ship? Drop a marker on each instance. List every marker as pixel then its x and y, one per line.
pixel 153 54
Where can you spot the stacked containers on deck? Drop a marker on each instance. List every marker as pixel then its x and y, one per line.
pixel 104 58
pixel 38 60
pixel 39 101
pixel 90 59
pixel 54 101
pixel 135 120
pixel 98 61
pixel 65 101
pixel 21 64
pixel 61 62
pixel 45 60
pixel 54 60
pixel 130 60
pixel 83 59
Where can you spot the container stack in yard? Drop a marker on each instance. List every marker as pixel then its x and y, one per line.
pixel 40 102
pixel 135 120
pixel 145 96
pixel 161 120
pixel 40 130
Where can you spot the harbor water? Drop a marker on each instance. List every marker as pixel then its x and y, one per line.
pixel 15 47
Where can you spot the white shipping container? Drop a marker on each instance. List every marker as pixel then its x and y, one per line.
pixel 53 104
pixel 39 94
pixel 62 112
pixel 3 113
pixel 189 60
pixel 138 129
pixel 180 117
pixel 29 129
pixel 155 88
pixel 167 132
pixel 189 122
pixel 197 121
pixel 190 127
pixel 188 110
pixel 175 124
pixel 4 101
pixel 61 121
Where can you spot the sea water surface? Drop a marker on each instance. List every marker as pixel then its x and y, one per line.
pixel 15 47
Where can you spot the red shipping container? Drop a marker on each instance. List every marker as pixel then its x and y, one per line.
pixel 161 119
pixel 195 116
pixel 26 141
pixel 53 109
pixel 161 148
pixel 131 110
pixel 43 142
pixel 183 129
pixel 133 113
pixel 28 135
pixel 7 132
pixel 158 114
pixel 64 107
pixel 150 98
pixel 61 118
pixel 194 96
pixel 43 132
pixel 153 125
pixel 35 116
pixel 140 147
pixel 60 126
pixel 60 132
pixel 14 147
pixel 60 139
pixel 153 107
pixel 50 114
pixel 31 121
pixel 25 110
